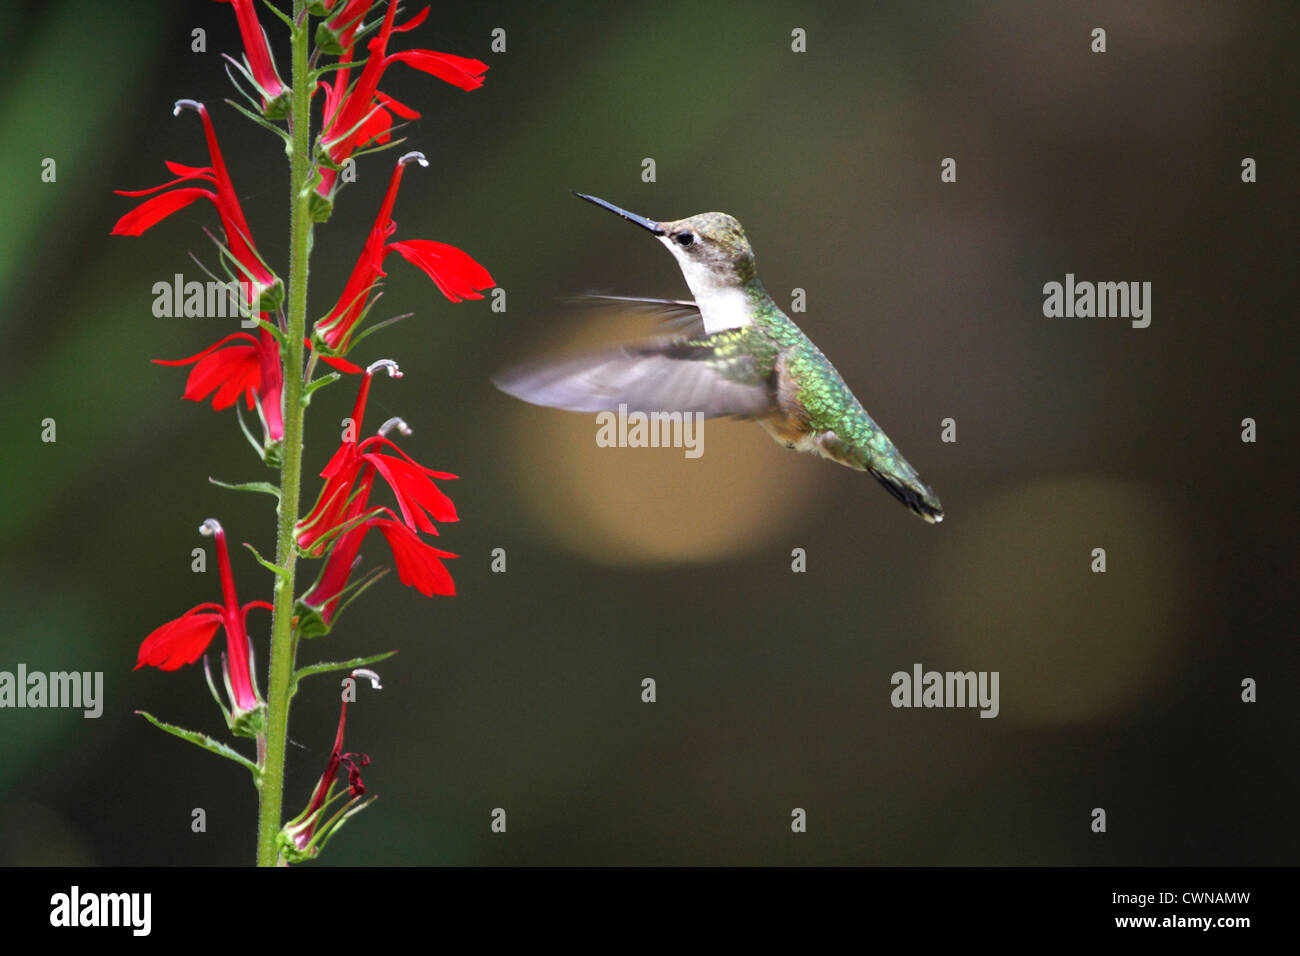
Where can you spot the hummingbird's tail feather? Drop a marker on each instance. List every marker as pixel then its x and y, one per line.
pixel 878 455
pixel 913 492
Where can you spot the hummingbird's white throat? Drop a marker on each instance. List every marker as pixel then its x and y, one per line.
pixel 722 304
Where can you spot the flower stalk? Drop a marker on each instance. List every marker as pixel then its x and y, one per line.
pixel 269 368
pixel 271 793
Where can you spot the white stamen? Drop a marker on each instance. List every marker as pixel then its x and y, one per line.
pixel 393 370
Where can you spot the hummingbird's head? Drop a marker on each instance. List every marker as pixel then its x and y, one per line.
pixel 711 248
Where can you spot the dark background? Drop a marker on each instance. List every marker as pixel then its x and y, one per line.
pixel 1119 690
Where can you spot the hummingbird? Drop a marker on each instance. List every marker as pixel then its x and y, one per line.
pixel 736 354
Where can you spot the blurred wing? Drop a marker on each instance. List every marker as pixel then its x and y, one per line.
pixel 710 375
pixel 682 316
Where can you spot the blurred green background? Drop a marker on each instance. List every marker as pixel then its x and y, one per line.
pixel 523 692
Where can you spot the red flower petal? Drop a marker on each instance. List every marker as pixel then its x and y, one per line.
pixel 229 372
pixel 184 175
pixel 265 605
pixel 398 107
pixel 457 70
pixel 211 348
pixel 415 493
pixel 189 172
pixel 412 23
pixel 181 641
pixel 153 211
pixel 377 127
pixel 454 272
pixel 381 440
pixel 270 384
pixel 418 565
pixel 342 364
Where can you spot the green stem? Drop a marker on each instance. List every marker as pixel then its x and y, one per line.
pixel 271 793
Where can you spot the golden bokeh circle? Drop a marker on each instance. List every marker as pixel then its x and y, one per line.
pixel 1015 592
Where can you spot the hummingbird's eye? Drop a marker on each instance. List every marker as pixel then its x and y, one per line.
pixel 685 238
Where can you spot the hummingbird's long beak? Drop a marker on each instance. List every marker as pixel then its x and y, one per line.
pixel 641 221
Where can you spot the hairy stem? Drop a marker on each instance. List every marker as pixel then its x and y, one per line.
pixel 277 695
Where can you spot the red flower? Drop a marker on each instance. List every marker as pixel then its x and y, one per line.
pixel 356 787
pixel 260 67
pixel 184 640
pixel 342 512
pixel 418 565
pixel 358 116
pixel 305 835
pixel 351 472
pixel 252 370
pixel 455 273
pixel 263 290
